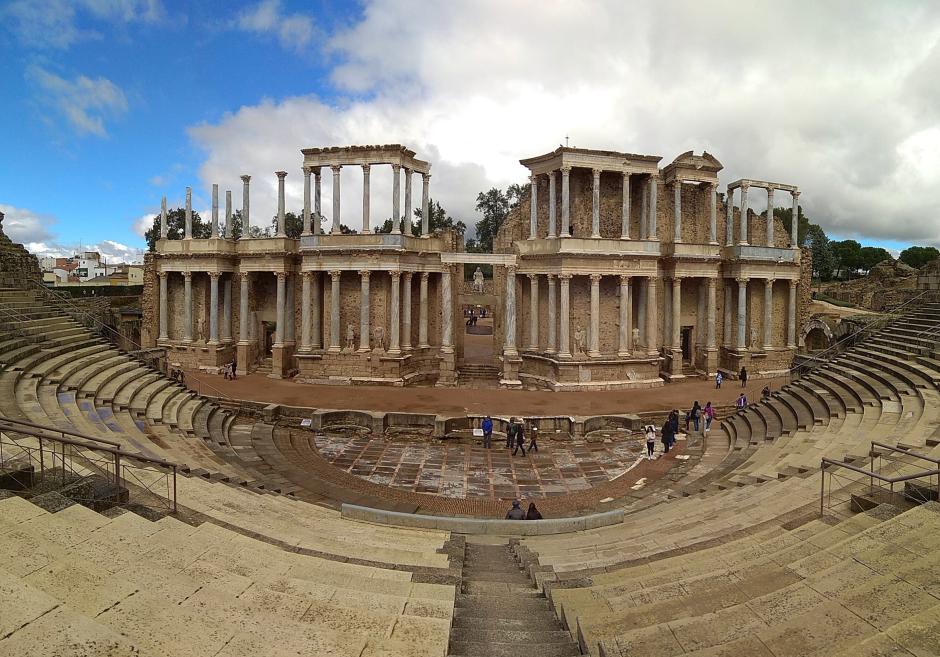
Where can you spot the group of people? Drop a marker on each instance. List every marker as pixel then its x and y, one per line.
pixel 696 417
pixel 176 373
pixel 472 316
pixel 228 370
pixel 742 375
pixel 515 435
pixel 516 512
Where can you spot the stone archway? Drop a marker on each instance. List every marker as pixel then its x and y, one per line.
pixel 815 336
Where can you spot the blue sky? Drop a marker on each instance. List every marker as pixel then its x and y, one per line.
pixel 109 104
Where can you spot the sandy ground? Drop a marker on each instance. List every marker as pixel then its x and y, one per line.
pixel 831 309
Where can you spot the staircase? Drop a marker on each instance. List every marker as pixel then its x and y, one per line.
pixel 498 613
pixel 478 375
pixel 264 367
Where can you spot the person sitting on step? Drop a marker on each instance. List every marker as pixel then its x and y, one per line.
pixel 516 512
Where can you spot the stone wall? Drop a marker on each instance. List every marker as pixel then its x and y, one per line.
pixel 150 304
pixel 17 265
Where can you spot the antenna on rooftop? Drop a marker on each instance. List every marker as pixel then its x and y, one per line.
pixel 566 141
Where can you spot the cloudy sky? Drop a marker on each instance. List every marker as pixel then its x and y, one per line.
pixel 108 105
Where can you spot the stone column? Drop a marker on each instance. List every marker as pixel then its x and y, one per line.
pixel 534 312
pixel 365 325
pixel 551 205
pixel 423 312
pixel 768 312
pixel 625 209
pixel 243 310
pixel 289 312
pixel 316 311
pixel 366 227
pixel 676 322
pixel 306 230
pixel 406 220
pixel 509 319
pixel 729 300
pixel 626 318
pixel 596 204
pixel 552 319
pixel 791 316
pixel 667 314
pixel 564 328
pixel 711 302
pixel 394 312
pixel 641 311
pixel 770 216
pixel 227 309
pixel 164 307
pixel 729 218
pixel 335 344
pixel 447 311
pixel 533 206
pixel 281 227
pixel 396 199
pixel 652 218
pixel 246 209
pixel 425 200
pixel 406 314
pixel 188 228
pixel 163 224
pixel 677 211
pixel 741 343
pixel 279 332
pixel 317 198
pixel 644 212
pixel 744 220
pixel 187 306
pixel 213 308
pixel 652 331
pixel 305 309
pixel 228 214
pixel 214 226
pixel 794 225
pixel 335 229
pixel 565 203
pixel 594 348
pixel 713 213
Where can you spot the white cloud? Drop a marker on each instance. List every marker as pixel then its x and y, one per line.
pixel 111 252
pixel 838 98
pixel 83 101
pixel 55 23
pixel 294 31
pixel 22 225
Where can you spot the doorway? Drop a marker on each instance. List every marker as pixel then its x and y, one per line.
pixel 686 342
pixel 268 329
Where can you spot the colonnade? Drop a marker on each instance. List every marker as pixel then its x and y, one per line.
pixel 769 234
pixel 735 336
pixel 218 333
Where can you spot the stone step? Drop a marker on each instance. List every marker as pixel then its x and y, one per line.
pixel 488 649
pixel 464 618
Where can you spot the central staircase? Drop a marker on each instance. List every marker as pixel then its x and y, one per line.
pixel 499 613
pixel 477 375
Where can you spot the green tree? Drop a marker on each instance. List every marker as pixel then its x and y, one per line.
pixel 176 227
pixel 871 256
pixel 494 205
pixel 786 216
pixel 346 230
pixel 294 225
pixel 821 249
pixel 918 256
pixel 515 193
pixel 438 219
pixel 848 257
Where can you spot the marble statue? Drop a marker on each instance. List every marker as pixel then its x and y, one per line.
pixel 636 338
pixel 478 281
pixel 378 337
pixel 580 335
pixel 350 337
pixel 754 342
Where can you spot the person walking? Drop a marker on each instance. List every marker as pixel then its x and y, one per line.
pixel 668 435
pixel 533 512
pixel 696 414
pixel 719 377
pixel 533 438
pixel 743 376
pixel 650 440
pixel 742 402
pixel 510 432
pixel 516 512
pixel 487 426
pixel 520 439
pixel 709 414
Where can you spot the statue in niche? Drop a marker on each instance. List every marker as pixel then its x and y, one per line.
pixel 636 339
pixel 754 342
pixel 378 337
pixel 478 281
pixel 200 329
pixel 580 336
pixel 350 337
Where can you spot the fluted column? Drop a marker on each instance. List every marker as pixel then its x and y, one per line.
pixel 594 348
pixel 713 213
pixel 641 312
pixel 729 326
pixel 652 218
pixel 676 323
pixel 163 222
pixel 246 208
pixel 677 211
pixel 281 305
pixel 741 345
pixel 596 204
pixel 335 344
pixel 281 227
pixel 652 331
pixel 744 220
pixel 625 344
pixel 447 311
pixel 770 216
pixel 533 206
pixel 317 200
pixel 564 326
pixel 509 319
pixel 768 312
pixel 423 312
pixel 365 328
pixel 305 309
pixel 227 309
pixel 316 311
pixel 213 308
pixel 188 226
pixel 228 214
pixel 791 316
pixel 425 201
pixel 306 229
pixel 396 199
pixel 565 203
pixel 710 313
pixel 214 224
pixel 394 312
pixel 534 312
pixel 366 221
pixel 335 230
pixel 625 209
pixel 644 212
pixel 164 307
pixel 551 204
pixel 187 306
pixel 243 309
pixel 289 311
pixel 406 219
pixel 795 224
pixel 552 319
pixel 406 313
pixel 729 218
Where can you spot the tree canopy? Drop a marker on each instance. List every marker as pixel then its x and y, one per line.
pixel 176 227
pixel 918 256
pixel 438 219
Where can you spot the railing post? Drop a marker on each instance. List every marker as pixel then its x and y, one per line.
pixel 42 461
pixel 117 470
pixel 174 488
pixel 822 488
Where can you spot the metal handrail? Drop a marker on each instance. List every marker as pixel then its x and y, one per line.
pixel 877 475
pixel 64 432
pixel 907 451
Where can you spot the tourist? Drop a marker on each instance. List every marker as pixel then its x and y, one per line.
pixel 719 377
pixel 533 512
pixel 696 413
pixel 520 439
pixel 516 512
pixel 487 426
pixel 510 433
pixel 650 440
pixel 743 376
pixel 765 393
pixel 234 366
pixel 675 426
pixel 668 435
pixel 742 402
pixel 709 414
pixel 533 444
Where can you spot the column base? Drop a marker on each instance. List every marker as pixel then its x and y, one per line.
pixel 424 346
pixel 242 355
pixel 447 372
pixel 594 354
pixel 334 349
